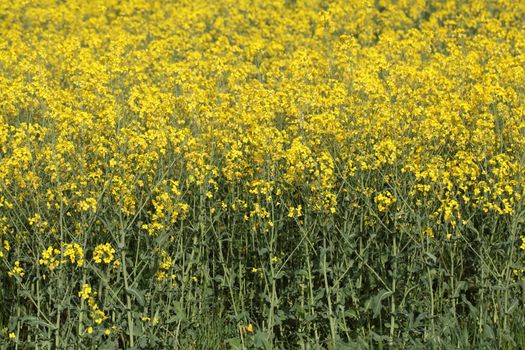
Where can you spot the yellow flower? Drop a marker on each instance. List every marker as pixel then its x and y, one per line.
pixel 429 232
pixel 88 204
pixel 85 291
pixel 17 270
pixel 12 335
pixel 249 328
pixel 295 212
pixel 74 252
pixel 90 330
pixel 116 264
pixel 384 200
pixel 98 315
pixel 103 253
pixel 50 258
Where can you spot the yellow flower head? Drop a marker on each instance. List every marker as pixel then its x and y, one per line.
pixel 249 328
pixel 17 270
pixel 103 253
pixel 85 291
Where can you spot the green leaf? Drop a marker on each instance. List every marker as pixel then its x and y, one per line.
pixel 488 332
pixel 234 343
pixel 262 341
pixel 376 301
pixel 512 306
pixel 139 296
pixel 34 321
pixel 108 345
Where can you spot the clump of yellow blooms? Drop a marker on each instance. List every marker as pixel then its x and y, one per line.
pixel 4 250
pixel 165 265
pixel 86 293
pixel 384 200
pixel 50 258
pixel 295 212
pixel 17 270
pixel 74 252
pixel 429 232
pixel 104 253
pixel 53 257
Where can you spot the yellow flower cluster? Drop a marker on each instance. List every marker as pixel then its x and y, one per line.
pixel 384 200
pixel 50 258
pixel 5 249
pixel 104 253
pixel 167 208
pixel 295 212
pixel 17 270
pixel 165 266
pixel 86 293
pixel 74 252
pixel 54 257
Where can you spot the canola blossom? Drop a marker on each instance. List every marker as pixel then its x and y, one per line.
pixel 242 174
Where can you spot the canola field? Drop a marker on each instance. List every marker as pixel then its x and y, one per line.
pixel 262 174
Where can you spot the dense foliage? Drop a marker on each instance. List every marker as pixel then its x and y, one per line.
pixel 201 174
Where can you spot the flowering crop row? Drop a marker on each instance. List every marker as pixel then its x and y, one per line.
pixel 263 173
